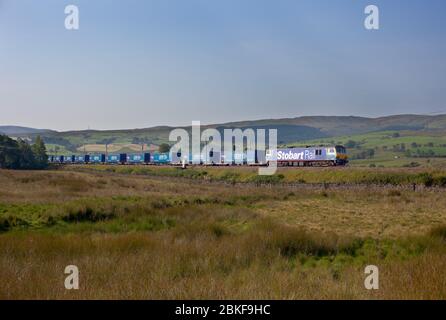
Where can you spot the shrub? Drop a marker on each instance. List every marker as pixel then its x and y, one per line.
pixel 441 181
pixel 161 204
pixel 230 176
pixel 426 179
pixel 218 230
pixel 87 213
pixel 412 165
pixel 290 242
pixel 394 193
pixel 6 223
pixel 439 232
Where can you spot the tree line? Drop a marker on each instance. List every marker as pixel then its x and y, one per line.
pixel 18 154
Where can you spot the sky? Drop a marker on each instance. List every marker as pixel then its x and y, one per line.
pixel 143 63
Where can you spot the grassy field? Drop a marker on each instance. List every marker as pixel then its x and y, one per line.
pixel 401 177
pixel 221 233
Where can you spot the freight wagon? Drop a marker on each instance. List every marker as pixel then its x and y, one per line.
pixel 97 158
pixel 113 158
pixel 210 158
pixel 135 158
pixel 161 158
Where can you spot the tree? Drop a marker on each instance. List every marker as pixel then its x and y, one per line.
pixel 366 154
pixel 27 159
pixel 403 147
pixel 40 155
pixel 351 144
pixel 9 153
pixel 20 155
pixel 164 147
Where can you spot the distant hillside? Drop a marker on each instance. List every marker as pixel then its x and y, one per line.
pixel 20 131
pixel 290 130
pixel 349 125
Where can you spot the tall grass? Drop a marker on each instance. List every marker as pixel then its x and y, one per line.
pixel 209 261
pixel 138 236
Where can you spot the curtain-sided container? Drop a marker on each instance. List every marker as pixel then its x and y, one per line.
pixel 57 159
pixel 211 157
pixel 97 158
pixel 78 159
pixel 256 157
pixel 113 158
pixel 178 157
pixel 123 158
pixel 161 158
pixel 137 158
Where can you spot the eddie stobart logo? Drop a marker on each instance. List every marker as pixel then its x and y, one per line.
pixel 290 155
pixel 301 154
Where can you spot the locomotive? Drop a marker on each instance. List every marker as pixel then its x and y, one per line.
pixel 309 156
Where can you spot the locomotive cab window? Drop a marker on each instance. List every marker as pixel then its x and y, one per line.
pixel 340 149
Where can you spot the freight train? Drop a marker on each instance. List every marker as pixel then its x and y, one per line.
pixel 294 157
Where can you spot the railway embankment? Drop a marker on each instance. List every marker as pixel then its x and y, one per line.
pixel 313 178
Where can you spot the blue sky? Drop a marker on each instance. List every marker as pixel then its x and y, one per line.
pixel 138 63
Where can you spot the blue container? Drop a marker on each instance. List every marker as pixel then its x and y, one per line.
pixel 239 158
pixel 113 158
pixel 196 158
pixel 123 158
pixel 136 158
pixel 161 158
pixel 96 158
pixel 56 159
pixel 79 159
pixel 177 157
pixel 256 157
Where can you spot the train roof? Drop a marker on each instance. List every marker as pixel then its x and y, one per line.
pixel 314 146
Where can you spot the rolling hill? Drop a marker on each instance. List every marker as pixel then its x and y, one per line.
pixel 21 131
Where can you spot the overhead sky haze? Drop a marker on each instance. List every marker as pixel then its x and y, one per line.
pixel 142 63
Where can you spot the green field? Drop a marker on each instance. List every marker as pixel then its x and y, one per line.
pixel 405 177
